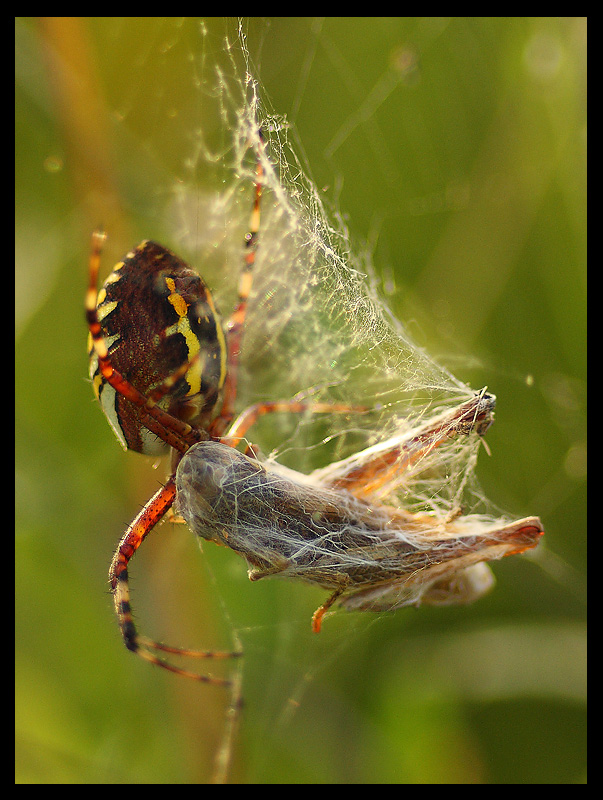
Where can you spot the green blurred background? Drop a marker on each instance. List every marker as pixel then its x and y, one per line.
pixel 456 148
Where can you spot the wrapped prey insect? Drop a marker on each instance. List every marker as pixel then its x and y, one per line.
pixel 330 528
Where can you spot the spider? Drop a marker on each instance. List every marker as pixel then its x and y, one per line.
pixel 164 369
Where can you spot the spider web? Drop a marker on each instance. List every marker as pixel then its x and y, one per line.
pixel 318 326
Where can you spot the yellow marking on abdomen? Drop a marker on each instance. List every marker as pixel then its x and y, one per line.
pixel 221 341
pixel 193 347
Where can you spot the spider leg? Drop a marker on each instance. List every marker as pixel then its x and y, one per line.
pixel 366 472
pixel 249 417
pixel 136 533
pixel 237 320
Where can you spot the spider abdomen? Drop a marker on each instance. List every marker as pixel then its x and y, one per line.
pixel 157 314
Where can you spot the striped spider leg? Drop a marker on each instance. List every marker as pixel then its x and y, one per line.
pixel 331 528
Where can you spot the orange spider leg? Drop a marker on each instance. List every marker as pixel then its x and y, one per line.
pixel 249 417
pixel 134 536
pixel 237 319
